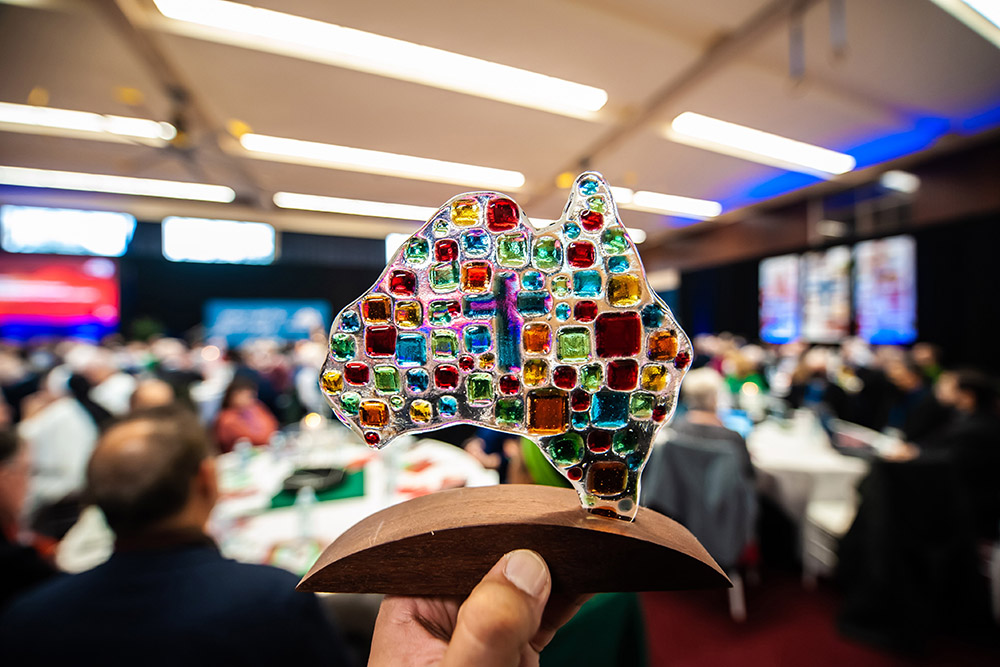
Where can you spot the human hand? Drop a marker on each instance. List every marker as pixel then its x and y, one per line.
pixel 505 622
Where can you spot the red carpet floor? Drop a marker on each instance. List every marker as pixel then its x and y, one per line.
pixel 786 625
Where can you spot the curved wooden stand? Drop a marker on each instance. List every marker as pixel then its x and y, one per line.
pixel 443 543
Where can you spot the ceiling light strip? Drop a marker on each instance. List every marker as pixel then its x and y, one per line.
pixel 83 124
pixel 295 36
pixel 124 185
pixel 367 161
pixel 375 209
pixel 747 143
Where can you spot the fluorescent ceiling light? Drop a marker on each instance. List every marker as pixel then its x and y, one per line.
pixel 983 16
pixel 749 144
pixel 122 185
pixel 30 119
pixel 900 181
pixel 392 242
pixel 276 32
pixel 65 231
pixel 375 209
pixel 367 161
pixel 217 241
pixel 687 207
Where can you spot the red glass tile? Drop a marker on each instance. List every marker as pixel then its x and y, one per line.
pixel 466 363
pixel 575 474
pixel 446 250
pixel 446 376
pixel 580 254
pixel 618 334
pixel 476 276
pixel 509 384
pixel 564 376
pixel 682 359
pixel 599 441
pixel 585 311
pixel 659 412
pixel 356 372
pixel 580 400
pixel 502 215
pixel 592 220
pixel 623 374
pixel 372 438
pixel 402 283
pixel 380 341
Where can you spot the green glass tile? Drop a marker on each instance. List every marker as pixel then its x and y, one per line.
pixel 641 405
pixel 386 380
pixel 561 286
pixel 342 347
pixel 548 253
pixel 509 411
pixel 573 344
pixel 444 344
pixel 444 276
pixel 479 388
pixel 613 241
pixel 416 251
pixel 566 449
pixel 591 377
pixel 625 441
pixel 512 250
pixel 350 401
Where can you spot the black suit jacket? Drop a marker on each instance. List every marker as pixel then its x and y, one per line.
pixel 180 605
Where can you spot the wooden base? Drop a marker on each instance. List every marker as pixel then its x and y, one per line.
pixel 443 543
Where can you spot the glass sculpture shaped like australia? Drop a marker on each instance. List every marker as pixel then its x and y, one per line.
pixel 547 332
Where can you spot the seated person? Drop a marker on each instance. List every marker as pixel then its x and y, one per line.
pixel 915 410
pixel 243 416
pixel 151 393
pixel 700 395
pixel 21 567
pixel 166 596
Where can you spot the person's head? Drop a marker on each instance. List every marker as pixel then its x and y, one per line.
pixel 153 471
pixel 976 392
pixel 926 355
pixel 241 393
pixel 946 389
pixel 906 375
pixel 700 390
pixel 14 476
pixel 151 393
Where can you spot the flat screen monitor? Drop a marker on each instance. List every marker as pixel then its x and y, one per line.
pixel 58 296
pixel 826 301
pixel 885 290
pixel 778 280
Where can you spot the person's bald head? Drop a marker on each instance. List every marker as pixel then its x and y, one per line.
pixel 149 469
pixel 152 394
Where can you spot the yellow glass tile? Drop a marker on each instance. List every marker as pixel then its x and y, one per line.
pixel 535 372
pixel 624 290
pixel 537 338
pixel 420 411
pixel 547 411
pixel 374 413
pixel 465 212
pixel 487 361
pixel 409 314
pixel 376 308
pixel 332 381
pixel 654 377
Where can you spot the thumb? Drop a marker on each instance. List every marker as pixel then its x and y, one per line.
pixel 497 622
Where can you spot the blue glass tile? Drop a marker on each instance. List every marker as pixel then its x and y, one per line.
pixel 563 312
pixel 477 338
pixel 581 420
pixel 349 321
pixel 411 349
pixel 447 406
pixel 533 304
pixel 479 307
pixel 476 243
pixel 417 380
pixel 532 280
pixel 618 264
pixel 652 316
pixel 609 409
pixel 571 230
pixel 587 283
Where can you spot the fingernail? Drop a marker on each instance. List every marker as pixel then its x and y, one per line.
pixel 526 570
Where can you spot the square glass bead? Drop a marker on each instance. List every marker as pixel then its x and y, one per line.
pixel 416 251
pixel 614 241
pixel 512 250
pixel 351 402
pixel 537 338
pixel 477 338
pixel 509 410
pixel 411 349
pixel 441 313
pixel 573 344
pixel 624 290
pixel 580 420
pixel 534 304
pixel 609 409
pixel 479 388
pixel 618 334
pixel 587 283
pixel 592 377
pixel 502 215
pixel 444 344
pixel 547 253
pixel 662 346
pixel 476 243
pixel 444 277
pixel 342 346
pixel 349 321
pixel 641 405
pixel 566 449
pixel 386 379
pixel 476 277
pixel 561 286
pixel 618 264
pixel 380 341
pixel 376 308
pixel 479 307
pixel 532 280
pixel 409 314
pixel 447 406
pixel 607 478
pixel 654 377
pixel 652 316
pixel 547 411
pixel 465 212
pixel 417 380
pixel 536 371
pixel 374 413
pixel 332 381
pixel 421 411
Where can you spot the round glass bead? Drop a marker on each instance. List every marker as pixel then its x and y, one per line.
pixel 563 312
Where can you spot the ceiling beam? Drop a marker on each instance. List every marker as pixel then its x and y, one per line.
pixel 722 53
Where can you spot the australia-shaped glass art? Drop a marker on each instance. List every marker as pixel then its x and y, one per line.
pixel 548 332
